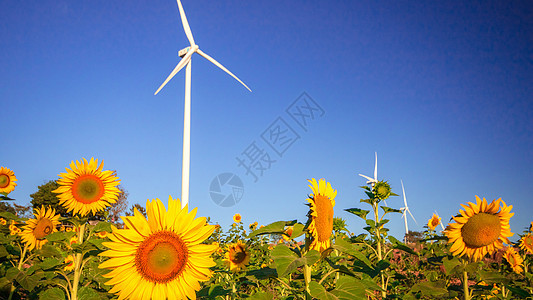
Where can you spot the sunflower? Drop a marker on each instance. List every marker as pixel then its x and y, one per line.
pixel 526 243
pixel 480 228
pixel 13 229
pixel 101 234
pixel 35 230
pixel 159 257
pixel 514 259
pixel 237 257
pixel 237 218
pixel 69 263
pixel 86 188
pixel 3 221
pixel 434 222
pixel 7 180
pixel 321 203
pixel 73 240
pixel 288 233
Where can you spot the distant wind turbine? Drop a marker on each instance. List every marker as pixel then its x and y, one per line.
pixel 186 55
pixel 404 210
pixel 374 180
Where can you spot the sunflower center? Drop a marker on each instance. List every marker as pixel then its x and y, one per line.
pixel 43 228
pixel 88 188
pixel 481 230
pixel 435 222
pixel 324 218
pixel 161 257
pixel 4 180
pixel 237 255
pixel 511 259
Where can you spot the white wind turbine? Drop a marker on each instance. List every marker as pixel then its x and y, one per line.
pixel 186 55
pixel 374 180
pixel 404 210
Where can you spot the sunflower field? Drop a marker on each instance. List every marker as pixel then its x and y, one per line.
pixel 168 252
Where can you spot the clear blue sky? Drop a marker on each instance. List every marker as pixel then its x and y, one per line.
pixel 442 91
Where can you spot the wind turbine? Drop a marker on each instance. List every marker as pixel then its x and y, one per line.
pixel 404 214
pixel 186 55
pixel 374 180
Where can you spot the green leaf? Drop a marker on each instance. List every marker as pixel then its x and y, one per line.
pixel 287 260
pixel 48 251
pixel 274 228
pixel 519 292
pixel 211 292
pixel 348 248
pixel 57 236
pixel 52 294
pixel 349 288
pixel 3 251
pixel 49 263
pixel 102 226
pixel 430 288
pixel 452 266
pixel 262 296
pixel 87 293
pixel 297 230
pixel 492 277
pixel 387 210
pixel 361 213
pixel 261 274
pixel 8 215
pixel 319 292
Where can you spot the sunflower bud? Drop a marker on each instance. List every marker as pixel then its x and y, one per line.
pixel 382 190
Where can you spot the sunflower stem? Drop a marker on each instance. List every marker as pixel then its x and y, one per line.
pixel 78 265
pixel 378 246
pixel 465 285
pixel 21 261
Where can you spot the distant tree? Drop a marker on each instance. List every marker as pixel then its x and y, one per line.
pixel 6 206
pixel 119 207
pixel 44 196
pixel 414 236
pixel 141 209
pixel 23 211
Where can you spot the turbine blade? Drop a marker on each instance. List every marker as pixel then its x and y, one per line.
pixel 404 199
pixel 216 63
pixel 376 168
pixel 180 65
pixel 412 216
pixel 441 225
pixel 186 27
pixel 368 178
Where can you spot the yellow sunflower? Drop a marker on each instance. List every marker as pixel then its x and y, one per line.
pixel 237 218
pixel 69 263
pixel 3 221
pixel 86 188
pixel 73 240
pixel 7 180
pixel 321 203
pixel 434 222
pixel 526 243
pixel 480 228
pixel 160 257
pixel 514 259
pixel 35 230
pixel 13 229
pixel 288 233
pixel 237 257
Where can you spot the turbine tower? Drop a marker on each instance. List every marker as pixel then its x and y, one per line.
pixel 186 55
pixel 404 210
